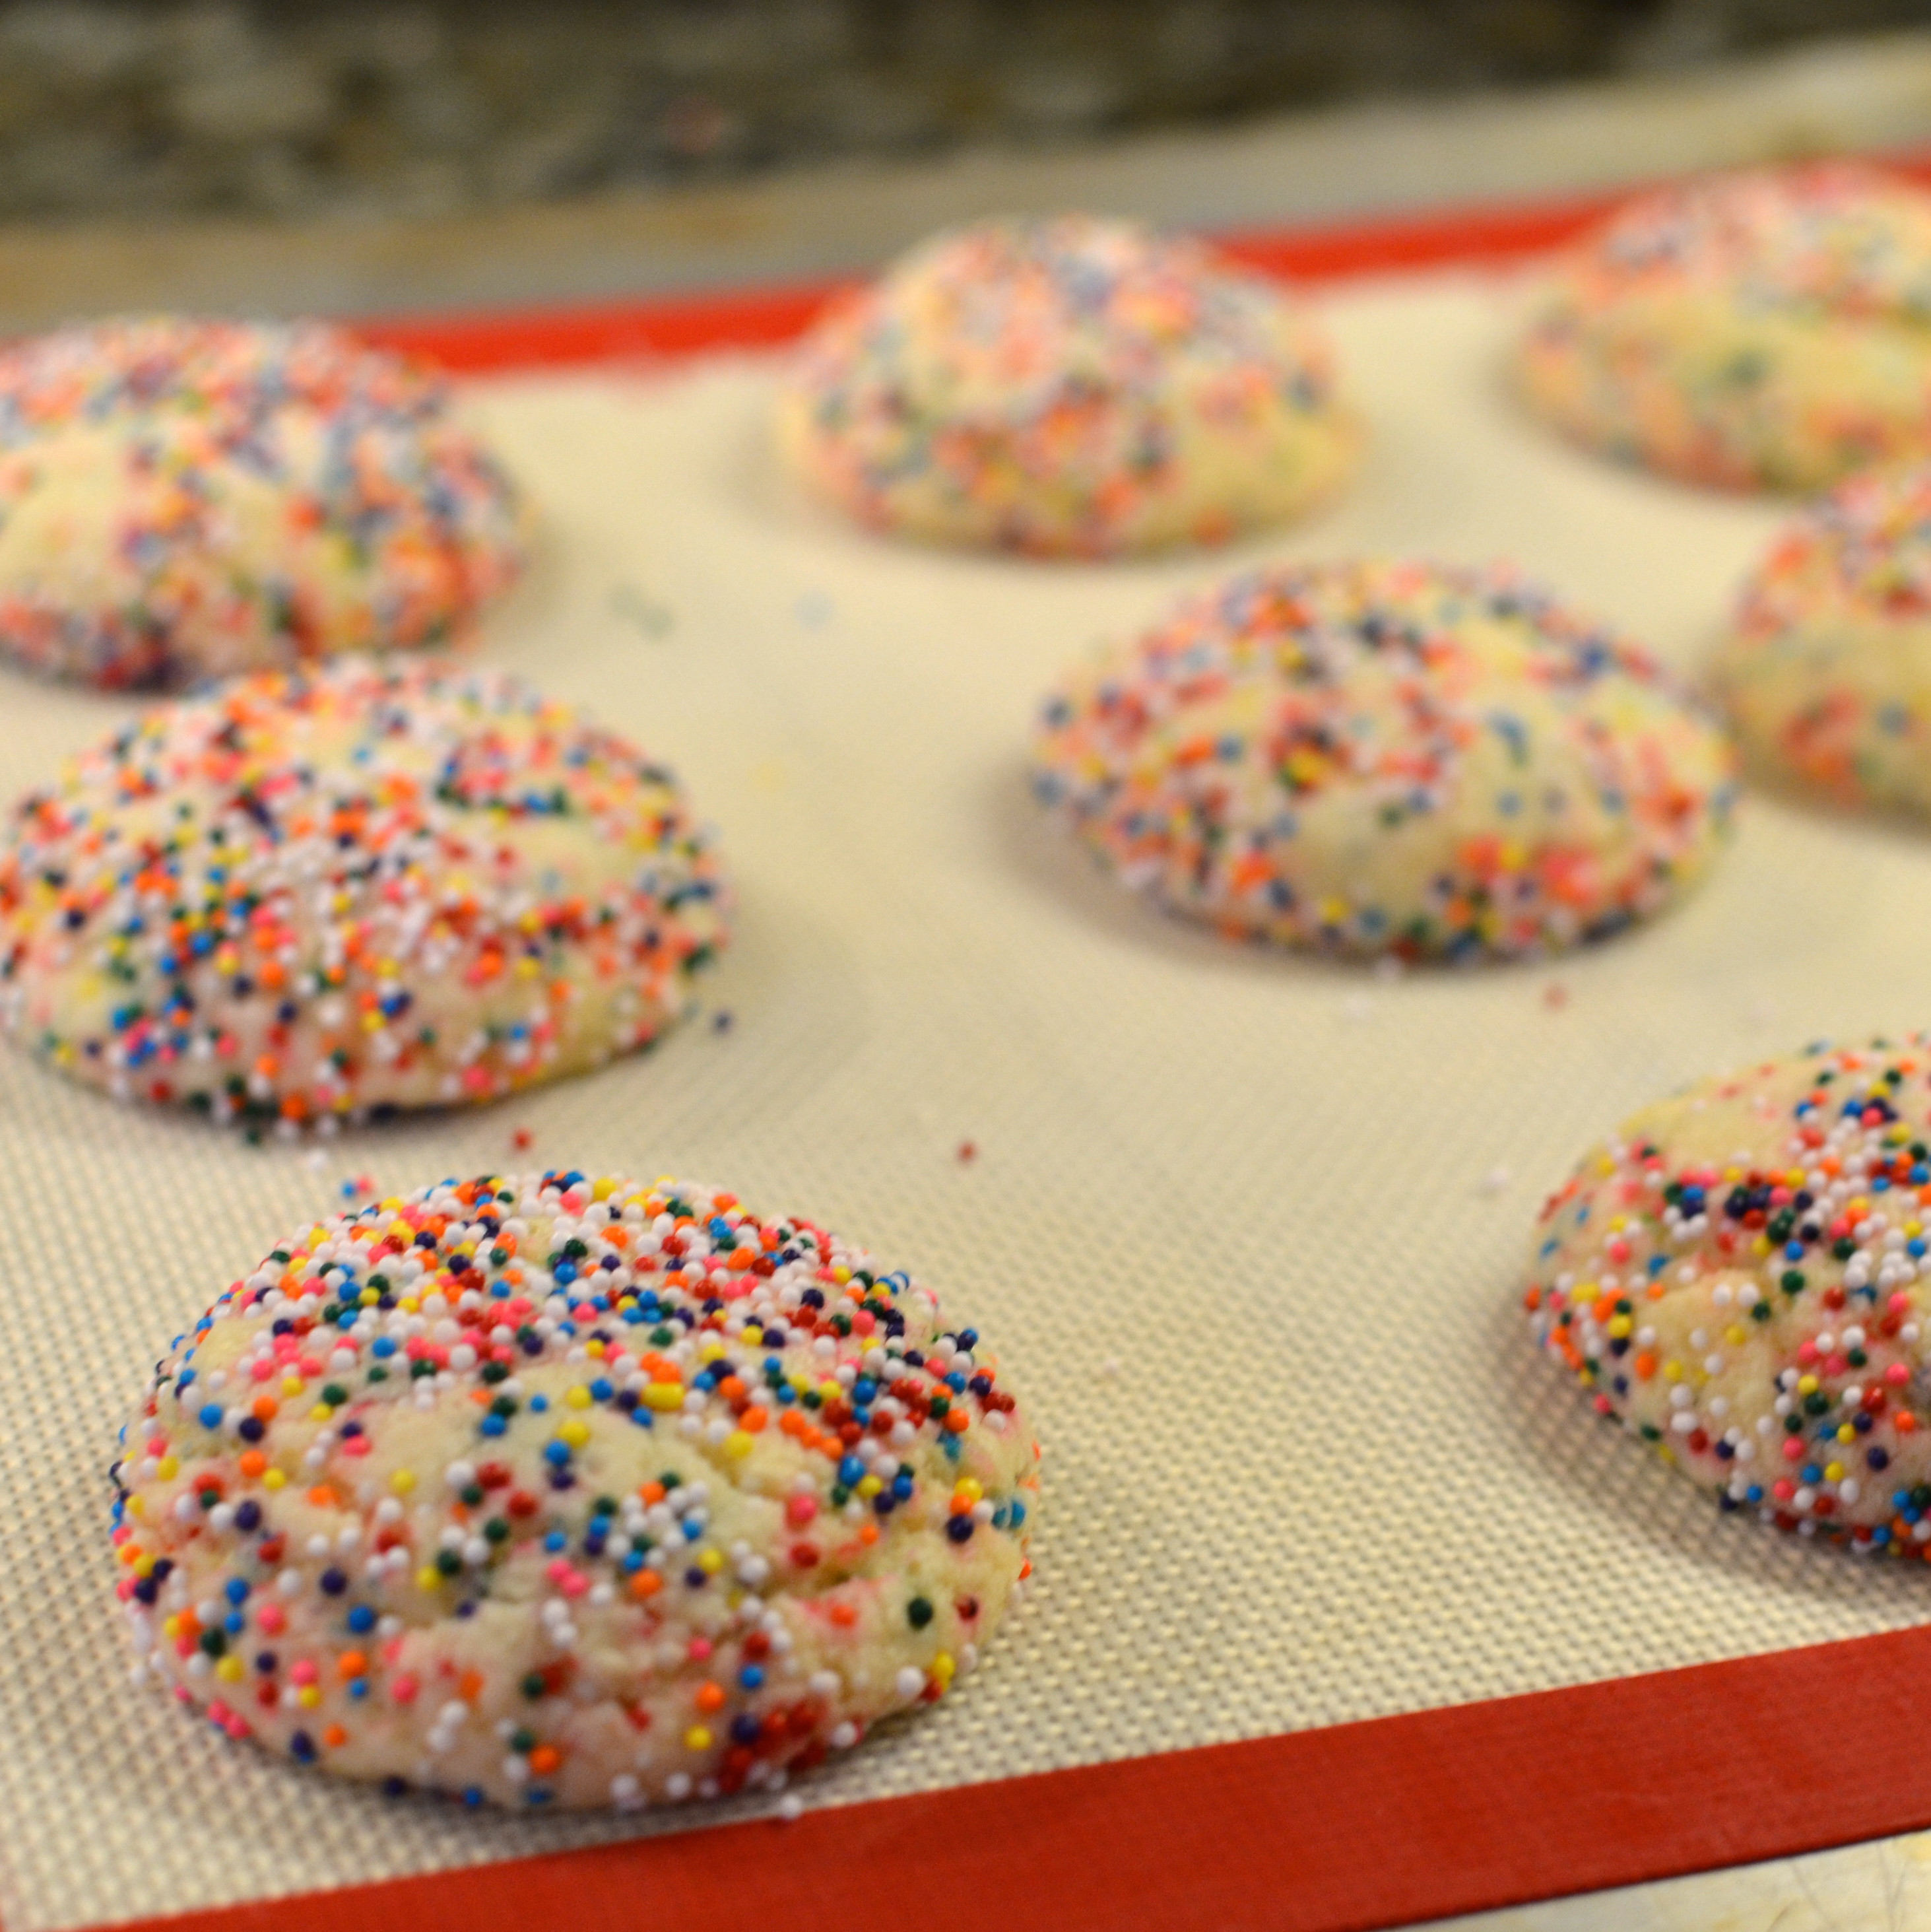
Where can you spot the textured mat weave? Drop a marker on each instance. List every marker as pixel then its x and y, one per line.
pixel 1245 1228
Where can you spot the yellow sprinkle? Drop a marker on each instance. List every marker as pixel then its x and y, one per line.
pixel 428 1577
pixel 321 1412
pixel 664 1396
pixel 574 1433
pixel 711 1350
pixel 841 1275
pixel 275 1479
pixel 137 1505
pixel 869 1486
pixel 1845 1433
pixel 970 1487
pixel 696 1738
pixel 1806 1385
pixel 1760 1246
pixel 604 1189
pixel 291 1385
pixel 170 1627
pixel 1672 1371
pixel 403 1481
pixel 166 1467
pixel 1583 1294
pixel 594 1347
pixel 229 1670
pixel 1620 1325
pixel 710 1562
pixel 309 1695
pixel 943 1669
pixel 738 1443
pixel 579 1397
pixel 1833 1472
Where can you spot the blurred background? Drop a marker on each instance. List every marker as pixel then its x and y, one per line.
pixel 377 155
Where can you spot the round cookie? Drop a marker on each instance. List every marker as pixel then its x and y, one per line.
pixel 1764 330
pixel 1826 671
pixel 312 897
pixel 574 1492
pixel 1067 387
pixel 1738 1276
pixel 1388 756
pixel 183 498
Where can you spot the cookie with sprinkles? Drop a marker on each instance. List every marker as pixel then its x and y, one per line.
pixel 1068 387
pixel 181 498
pixel 1764 330
pixel 569 1492
pixel 306 898
pixel 1383 756
pixel 1738 1276
pixel 1826 669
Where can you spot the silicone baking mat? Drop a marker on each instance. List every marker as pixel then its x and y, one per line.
pixel 1245 1228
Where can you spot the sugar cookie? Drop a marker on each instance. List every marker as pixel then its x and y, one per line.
pixel 1737 1276
pixel 1826 672
pixel 304 898
pixel 565 1491
pixel 1764 330
pixel 183 498
pixel 1388 756
pixel 1070 386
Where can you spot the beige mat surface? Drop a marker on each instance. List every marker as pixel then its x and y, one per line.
pixel 1245 1228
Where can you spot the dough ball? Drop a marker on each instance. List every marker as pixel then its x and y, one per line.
pixel 565 1491
pixel 1759 331
pixel 1736 1277
pixel 1068 387
pixel 1826 672
pixel 1388 757
pixel 307 897
pixel 183 498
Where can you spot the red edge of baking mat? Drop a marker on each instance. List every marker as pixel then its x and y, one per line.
pixel 1352 1827
pixel 669 326
pixel 1346 1828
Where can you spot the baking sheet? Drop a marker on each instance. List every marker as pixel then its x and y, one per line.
pixel 1245 1228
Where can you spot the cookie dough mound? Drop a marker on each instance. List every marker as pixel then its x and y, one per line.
pixel 1737 1276
pixel 306 898
pixel 1827 669
pixel 1388 756
pixel 565 1491
pixel 184 499
pixel 1760 331
pixel 1067 387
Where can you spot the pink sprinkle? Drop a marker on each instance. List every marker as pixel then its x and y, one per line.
pixel 271 1617
pixel 403 1688
pixel 700 1648
pixel 303 1672
pixel 799 1510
